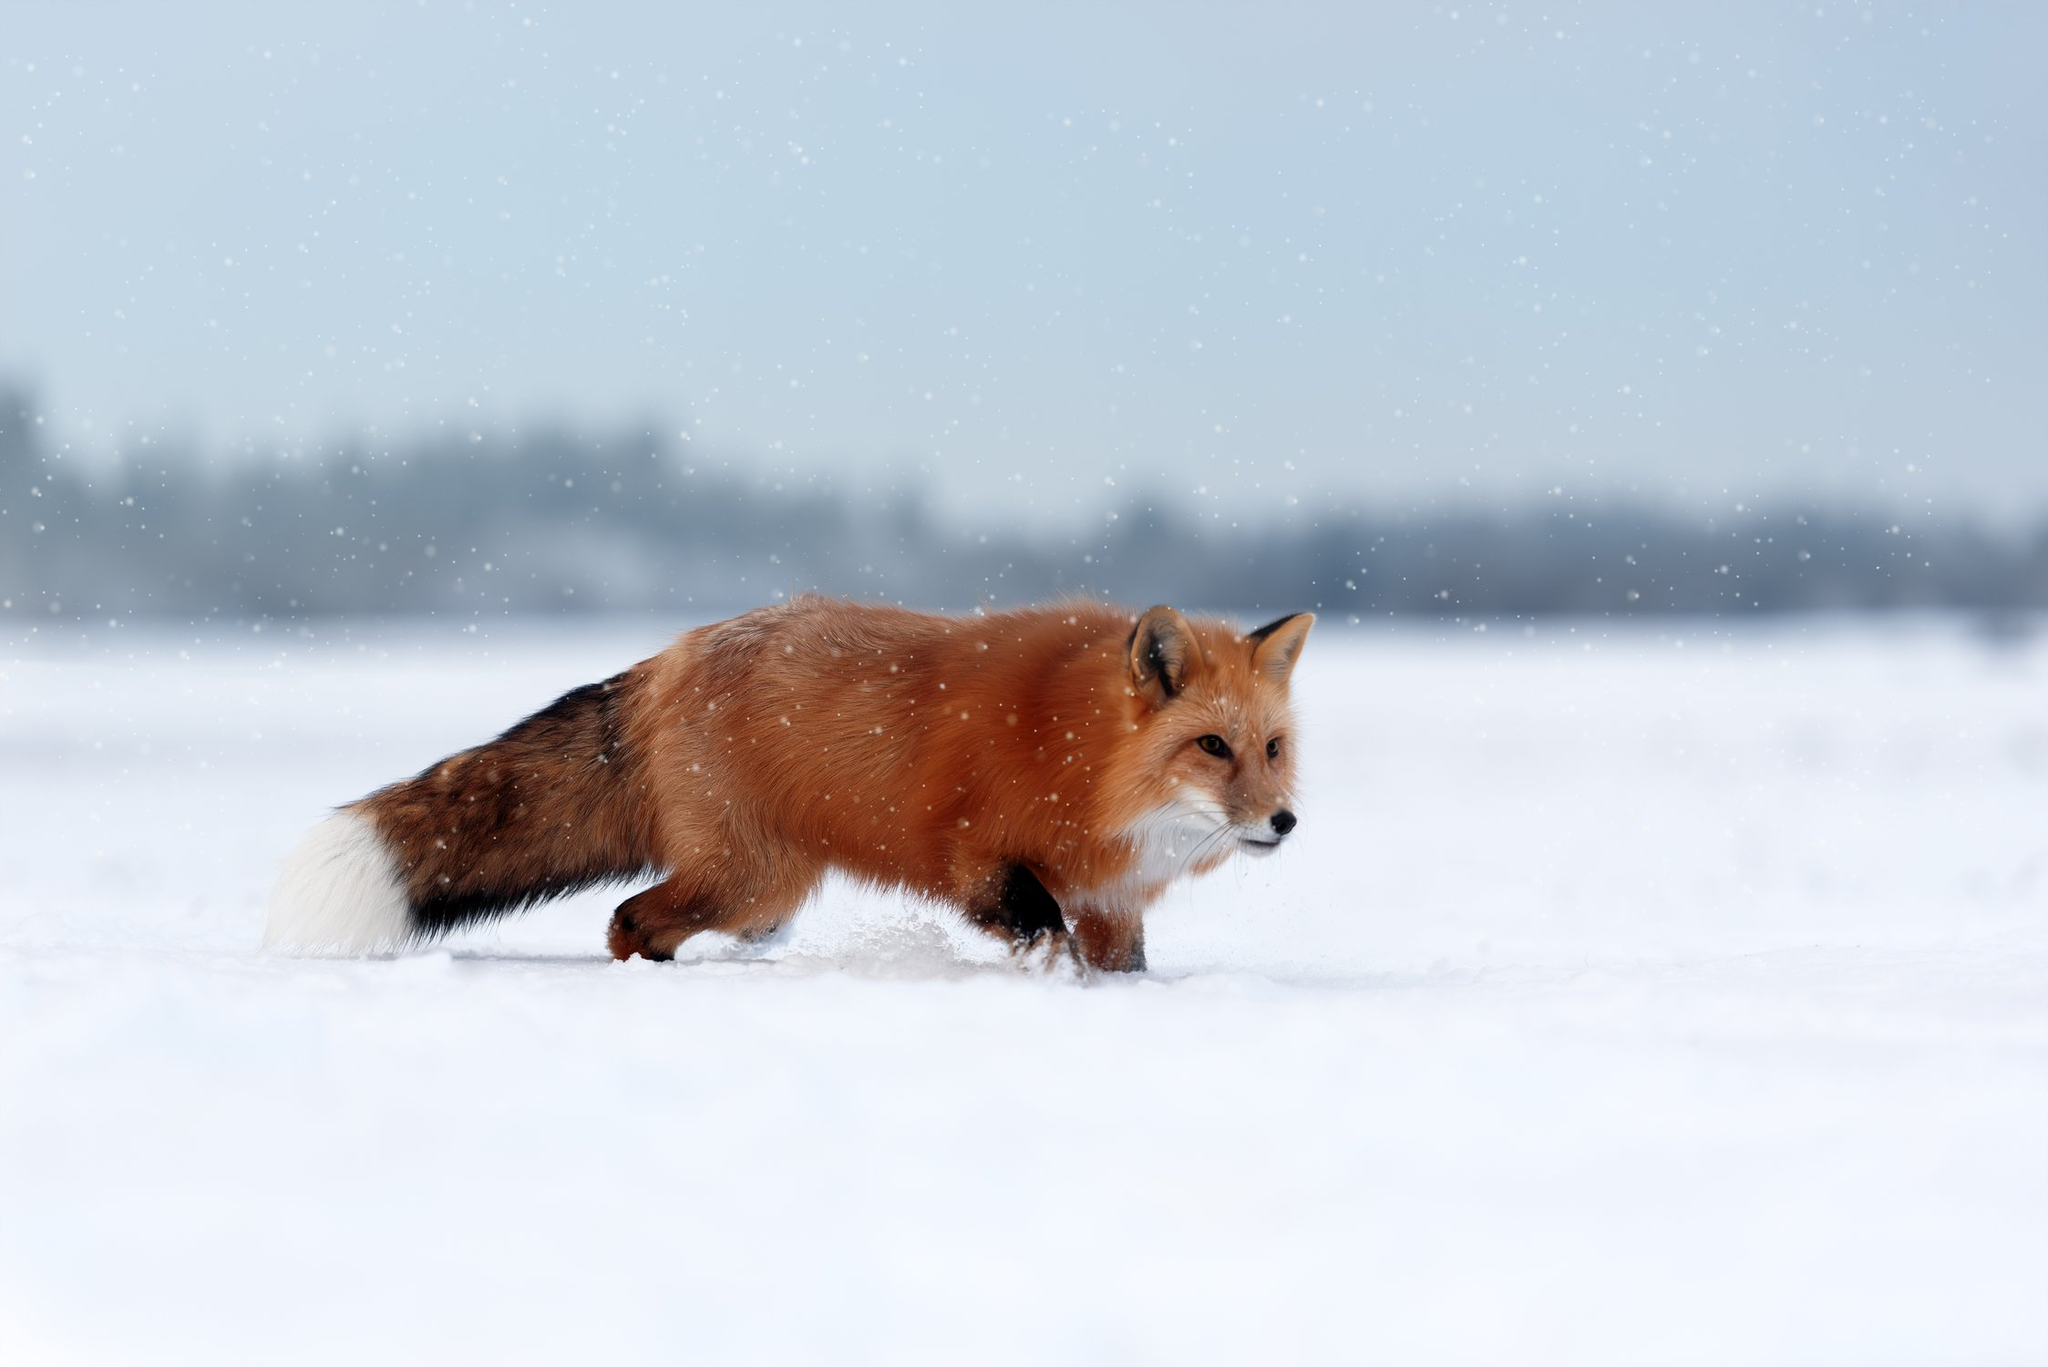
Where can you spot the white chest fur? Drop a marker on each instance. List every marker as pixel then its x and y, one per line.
pixel 1167 843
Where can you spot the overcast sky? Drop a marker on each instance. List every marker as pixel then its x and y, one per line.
pixel 1710 253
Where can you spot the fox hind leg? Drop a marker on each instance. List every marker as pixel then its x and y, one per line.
pixel 652 923
pixel 747 902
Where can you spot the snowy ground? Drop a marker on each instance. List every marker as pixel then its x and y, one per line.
pixel 1667 993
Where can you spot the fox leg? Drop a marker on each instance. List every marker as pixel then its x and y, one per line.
pixel 1113 941
pixel 652 923
pixel 1011 904
pixel 749 902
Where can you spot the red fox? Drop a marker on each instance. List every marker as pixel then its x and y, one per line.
pixel 1047 772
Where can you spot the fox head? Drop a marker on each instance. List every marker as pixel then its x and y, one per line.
pixel 1211 766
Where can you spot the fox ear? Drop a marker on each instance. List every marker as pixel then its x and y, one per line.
pixel 1162 651
pixel 1277 645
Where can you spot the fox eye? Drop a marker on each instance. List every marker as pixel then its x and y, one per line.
pixel 1273 748
pixel 1214 745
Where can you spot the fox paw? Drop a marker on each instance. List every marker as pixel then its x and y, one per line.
pixel 1052 952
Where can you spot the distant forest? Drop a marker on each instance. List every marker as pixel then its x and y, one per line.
pixel 556 520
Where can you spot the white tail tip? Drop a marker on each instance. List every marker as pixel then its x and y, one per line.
pixel 339 894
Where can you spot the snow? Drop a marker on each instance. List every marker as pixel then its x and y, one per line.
pixel 1672 993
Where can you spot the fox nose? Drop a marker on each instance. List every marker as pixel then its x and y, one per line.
pixel 1283 821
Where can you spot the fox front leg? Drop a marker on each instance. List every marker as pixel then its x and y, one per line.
pixel 1110 941
pixel 1014 906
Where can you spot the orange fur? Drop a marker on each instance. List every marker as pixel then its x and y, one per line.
pixel 958 758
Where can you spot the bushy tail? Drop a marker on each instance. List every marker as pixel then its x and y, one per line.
pixel 554 804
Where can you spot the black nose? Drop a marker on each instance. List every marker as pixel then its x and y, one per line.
pixel 1283 821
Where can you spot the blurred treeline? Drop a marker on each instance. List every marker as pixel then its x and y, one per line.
pixel 556 520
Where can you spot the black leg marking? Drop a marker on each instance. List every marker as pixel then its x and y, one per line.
pixel 1022 909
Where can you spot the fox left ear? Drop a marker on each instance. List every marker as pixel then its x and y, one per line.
pixel 1276 645
pixel 1161 652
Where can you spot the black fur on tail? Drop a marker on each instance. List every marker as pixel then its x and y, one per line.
pixel 553 805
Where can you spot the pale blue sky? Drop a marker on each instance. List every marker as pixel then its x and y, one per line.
pixel 1712 253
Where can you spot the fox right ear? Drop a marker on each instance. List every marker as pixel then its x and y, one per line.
pixel 1277 645
pixel 1162 651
